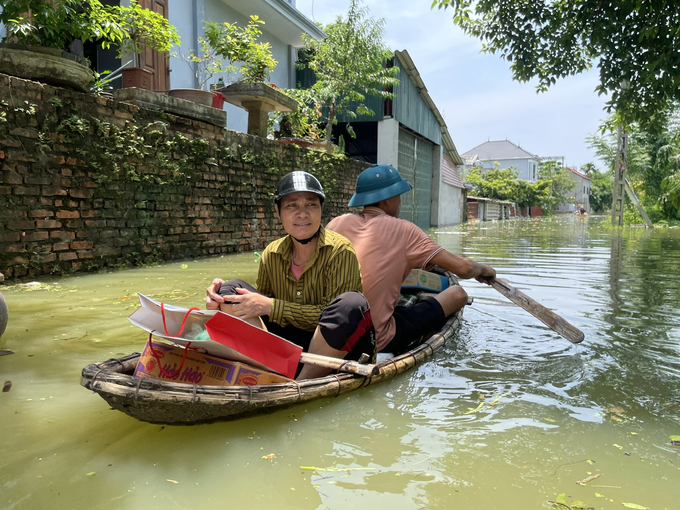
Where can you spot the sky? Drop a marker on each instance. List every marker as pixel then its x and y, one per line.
pixel 475 92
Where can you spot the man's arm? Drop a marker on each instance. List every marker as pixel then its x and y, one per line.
pixel 462 267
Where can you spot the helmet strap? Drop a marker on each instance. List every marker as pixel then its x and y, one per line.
pixel 309 239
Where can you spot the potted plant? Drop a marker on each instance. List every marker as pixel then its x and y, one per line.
pixel 304 127
pixel 204 65
pixel 239 45
pixel 142 28
pixel 39 34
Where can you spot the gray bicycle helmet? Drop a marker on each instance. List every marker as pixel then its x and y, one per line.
pixel 296 182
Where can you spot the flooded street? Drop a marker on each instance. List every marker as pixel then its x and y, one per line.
pixel 508 416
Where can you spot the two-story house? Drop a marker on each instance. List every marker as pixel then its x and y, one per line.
pixel 580 192
pixel 507 155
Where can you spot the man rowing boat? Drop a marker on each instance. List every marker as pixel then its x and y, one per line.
pixel 388 248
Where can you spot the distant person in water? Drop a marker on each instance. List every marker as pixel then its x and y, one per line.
pixel 308 283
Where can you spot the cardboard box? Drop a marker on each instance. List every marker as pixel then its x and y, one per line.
pixel 198 368
pixel 230 337
pixel 424 280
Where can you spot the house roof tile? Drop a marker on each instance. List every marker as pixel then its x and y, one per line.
pixel 498 150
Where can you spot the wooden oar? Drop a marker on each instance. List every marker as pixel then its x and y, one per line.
pixel 341 365
pixel 547 317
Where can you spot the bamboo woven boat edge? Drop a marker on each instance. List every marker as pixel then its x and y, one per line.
pixel 167 402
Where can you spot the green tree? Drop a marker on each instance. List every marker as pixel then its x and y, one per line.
pixel 554 184
pixel 653 164
pixel 350 64
pixel 552 188
pixel 56 23
pixel 239 44
pixel 497 183
pixel 503 184
pixel 143 28
pixel 601 185
pixel 636 44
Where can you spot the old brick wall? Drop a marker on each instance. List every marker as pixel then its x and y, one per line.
pixel 87 182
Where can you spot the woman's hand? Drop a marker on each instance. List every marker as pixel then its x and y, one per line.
pixel 248 305
pixel 212 299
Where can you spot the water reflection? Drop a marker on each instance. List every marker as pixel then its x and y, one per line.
pixel 508 416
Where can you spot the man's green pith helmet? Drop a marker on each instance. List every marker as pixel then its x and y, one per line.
pixel 378 182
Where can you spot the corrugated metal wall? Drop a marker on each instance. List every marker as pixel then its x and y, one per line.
pixel 305 78
pixel 415 165
pixel 411 111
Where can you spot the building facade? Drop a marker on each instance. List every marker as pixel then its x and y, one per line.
pixel 580 193
pixel 283 28
pixel 507 155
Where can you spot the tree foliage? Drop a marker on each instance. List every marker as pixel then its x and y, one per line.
pixel 240 45
pixel 502 184
pixel 56 23
pixel 555 185
pixel 653 164
pixel 350 64
pixel 550 190
pixel 143 28
pixel 497 183
pixel 636 44
pixel 601 185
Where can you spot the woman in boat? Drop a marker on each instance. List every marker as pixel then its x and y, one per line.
pixel 308 283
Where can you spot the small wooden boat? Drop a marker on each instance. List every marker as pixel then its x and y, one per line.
pixel 159 401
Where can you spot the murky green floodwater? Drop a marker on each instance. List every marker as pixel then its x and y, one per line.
pixel 507 417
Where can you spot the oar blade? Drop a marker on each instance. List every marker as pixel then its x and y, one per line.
pixel 547 317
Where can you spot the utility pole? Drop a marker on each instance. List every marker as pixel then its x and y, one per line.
pixel 618 193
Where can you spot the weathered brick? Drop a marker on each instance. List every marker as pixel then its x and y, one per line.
pixel 46 224
pixel 12 178
pixel 62 234
pixel 106 251
pixel 24 190
pixel 24 133
pixel 69 255
pixel 74 224
pixel 9 237
pixel 40 213
pixel 80 193
pixel 68 214
pixel 54 192
pixel 81 245
pixel 123 115
pixel 20 225
pixel 60 246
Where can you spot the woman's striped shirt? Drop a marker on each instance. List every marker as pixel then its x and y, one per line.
pixel 332 269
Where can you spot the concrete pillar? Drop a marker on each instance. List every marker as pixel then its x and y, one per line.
pixel 388 142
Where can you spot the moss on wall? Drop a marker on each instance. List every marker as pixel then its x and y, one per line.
pixel 87 182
